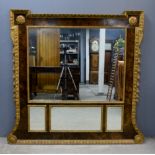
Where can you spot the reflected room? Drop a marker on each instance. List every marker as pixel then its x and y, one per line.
pixel 76 64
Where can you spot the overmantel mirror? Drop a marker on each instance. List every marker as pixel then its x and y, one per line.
pixel 76 77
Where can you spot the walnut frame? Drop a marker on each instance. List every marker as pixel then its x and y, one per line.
pixel 134 22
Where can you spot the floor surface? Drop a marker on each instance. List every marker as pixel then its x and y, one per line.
pixel 147 147
pixel 86 92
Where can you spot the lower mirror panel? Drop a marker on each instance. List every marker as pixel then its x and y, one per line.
pixel 36 118
pixel 74 124
pixel 73 119
pixel 114 118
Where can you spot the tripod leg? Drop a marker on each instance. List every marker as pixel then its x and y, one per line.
pixel 60 80
pixel 72 78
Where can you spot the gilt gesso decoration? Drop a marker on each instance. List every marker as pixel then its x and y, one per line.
pixel 63 92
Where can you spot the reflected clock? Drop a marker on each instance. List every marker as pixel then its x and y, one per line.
pixel 94 45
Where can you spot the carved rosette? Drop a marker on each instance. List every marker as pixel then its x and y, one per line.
pixel 12 139
pixel 20 19
pixel 133 20
pixel 139 139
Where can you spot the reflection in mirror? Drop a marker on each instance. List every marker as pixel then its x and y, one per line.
pixel 76 63
pixel 36 118
pixel 114 119
pixel 76 119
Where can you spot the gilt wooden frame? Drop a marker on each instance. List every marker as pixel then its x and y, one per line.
pixel 134 22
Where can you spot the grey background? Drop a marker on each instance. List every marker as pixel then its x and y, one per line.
pixel 146 105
